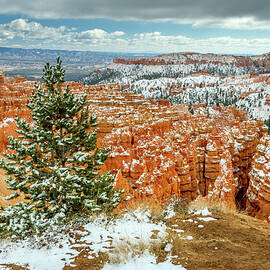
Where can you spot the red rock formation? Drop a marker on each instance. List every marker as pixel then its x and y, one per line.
pixel 260 61
pixel 7 127
pixel 159 151
pixel 2 78
pixel 267 100
pixel 142 61
pixel 14 94
pixel 258 193
pixel 253 75
pixel 223 190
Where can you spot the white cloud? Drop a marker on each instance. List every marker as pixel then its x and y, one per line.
pixel 233 23
pixel 117 33
pixel 31 34
pixel 164 43
pixel 148 35
pixel 21 28
pixel 139 10
pixel 98 34
pixel 35 33
pixel 93 34
pixel 22 25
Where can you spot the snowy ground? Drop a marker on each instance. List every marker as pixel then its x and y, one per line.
pixel 99 235
pixel 134 231
pixel 198 239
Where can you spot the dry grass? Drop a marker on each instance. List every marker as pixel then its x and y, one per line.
pixel 218 245
pixel 156 209
pixel 214 206
pixel 181 207
pixel 125 250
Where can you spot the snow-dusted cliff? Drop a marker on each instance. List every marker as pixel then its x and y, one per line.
pixel 193 78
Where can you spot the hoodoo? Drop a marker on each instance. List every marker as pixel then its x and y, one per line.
pixel 160 151
pixel 2 77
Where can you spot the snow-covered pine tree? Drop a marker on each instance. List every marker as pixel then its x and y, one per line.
pixel 55 161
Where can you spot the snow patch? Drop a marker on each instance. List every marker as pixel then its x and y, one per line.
pixel 207 218
pixel 99 235
pixel 203 212
pixel 6 121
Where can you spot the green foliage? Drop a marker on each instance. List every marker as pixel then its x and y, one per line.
pixel 55 162
pixel 267 123
pixel 105 76
pixel 20 219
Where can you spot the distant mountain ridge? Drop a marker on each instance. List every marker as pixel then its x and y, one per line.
pixel 68 55
pixel 175 65
pixel 260 63
pixel 28 63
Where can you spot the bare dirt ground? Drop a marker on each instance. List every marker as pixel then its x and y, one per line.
pixel 230 242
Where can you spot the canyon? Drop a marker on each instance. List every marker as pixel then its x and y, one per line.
pixel 177 65
pixel 192 78
pixel 250 92
pixel 161 151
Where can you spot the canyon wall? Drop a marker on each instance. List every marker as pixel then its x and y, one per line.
pixel 259 62
pixel 259 186
pixel 160 151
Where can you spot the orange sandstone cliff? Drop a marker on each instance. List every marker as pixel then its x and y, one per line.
pixel 160 151
pixel 259 185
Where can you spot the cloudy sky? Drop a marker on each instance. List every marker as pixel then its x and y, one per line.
pixel 159 26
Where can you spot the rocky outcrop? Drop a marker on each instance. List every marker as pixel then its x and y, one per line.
pixel 258 193
pixel 2 77
pixel 14 94
pixel 160 151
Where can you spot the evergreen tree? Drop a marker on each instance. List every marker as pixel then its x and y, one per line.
pixel 267 123
pixel 55 162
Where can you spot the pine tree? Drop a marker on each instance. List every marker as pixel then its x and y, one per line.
pixel 55 161
pixel 267 123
